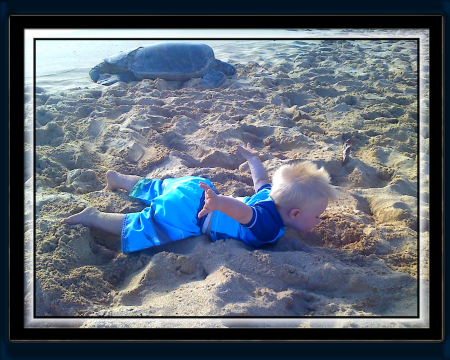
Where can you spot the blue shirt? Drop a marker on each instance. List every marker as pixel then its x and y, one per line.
pixel 265 227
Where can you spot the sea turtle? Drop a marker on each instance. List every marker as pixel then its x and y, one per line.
pixel 174 61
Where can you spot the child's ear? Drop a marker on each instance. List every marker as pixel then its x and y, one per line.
pixel 294 213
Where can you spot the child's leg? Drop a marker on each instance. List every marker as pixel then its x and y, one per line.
pixel 90 217
pixel 116 180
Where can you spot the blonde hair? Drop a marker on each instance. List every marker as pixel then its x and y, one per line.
pixel 296 184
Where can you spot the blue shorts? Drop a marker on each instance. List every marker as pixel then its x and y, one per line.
pixel 172 214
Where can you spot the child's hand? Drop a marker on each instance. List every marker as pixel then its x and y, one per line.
pixel 211 200
pixel 247 151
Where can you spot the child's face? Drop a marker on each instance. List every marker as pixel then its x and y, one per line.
pixel 307 218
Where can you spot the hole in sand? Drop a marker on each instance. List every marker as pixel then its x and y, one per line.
pixel 96 94
pixel 396 112
pixel 362 204
pixel 350 100
pixel 296 98
pixel 327 92
pixel 385 174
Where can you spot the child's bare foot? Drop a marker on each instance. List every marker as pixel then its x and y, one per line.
pixel 112 180
pixel 84 218
pixel 116 181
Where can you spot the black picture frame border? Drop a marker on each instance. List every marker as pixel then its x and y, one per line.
pixel 142 335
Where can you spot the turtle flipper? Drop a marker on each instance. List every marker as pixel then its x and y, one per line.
pixel 226 68
pixel 109 79
pixel 213 78
pixel 106 74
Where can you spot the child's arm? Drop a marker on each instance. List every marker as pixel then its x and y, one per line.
pixel 234 208
pixel 259 173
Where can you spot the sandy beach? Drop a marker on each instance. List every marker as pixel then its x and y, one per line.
pixel 291 100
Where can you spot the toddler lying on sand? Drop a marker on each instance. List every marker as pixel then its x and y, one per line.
pixel 190 206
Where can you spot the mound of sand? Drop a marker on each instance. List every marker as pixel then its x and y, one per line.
pixel 298 100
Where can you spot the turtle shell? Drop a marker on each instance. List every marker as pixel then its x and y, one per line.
pixel 176 61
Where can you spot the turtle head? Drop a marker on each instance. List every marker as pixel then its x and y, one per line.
pixel 98 71
pixel 226 68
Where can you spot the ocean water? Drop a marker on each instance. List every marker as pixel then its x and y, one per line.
pixel 65 64
pixel 62 59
